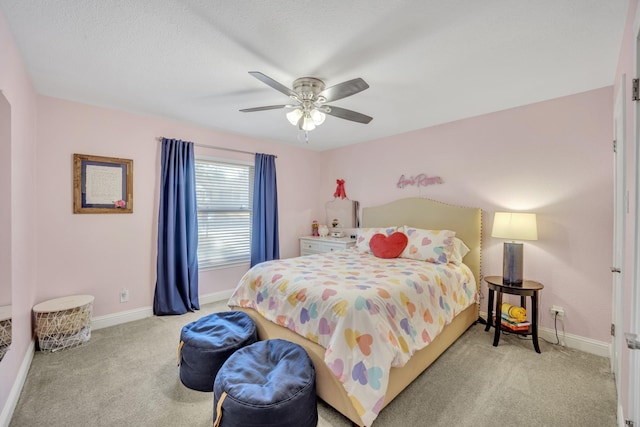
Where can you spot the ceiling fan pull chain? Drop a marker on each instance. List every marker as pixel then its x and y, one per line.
pixel 303 136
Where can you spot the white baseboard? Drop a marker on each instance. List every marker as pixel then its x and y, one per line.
pixel 14 394
pixel 216 297
pixel 587 345
pixel 113 319
pixel 620 416
pixel 577 342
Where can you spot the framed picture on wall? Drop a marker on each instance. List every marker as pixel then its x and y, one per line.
pixel 102 184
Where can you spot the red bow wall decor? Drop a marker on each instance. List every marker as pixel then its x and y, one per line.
pixel 340 189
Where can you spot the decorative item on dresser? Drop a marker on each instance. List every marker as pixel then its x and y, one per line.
pixel 323 230
pixel 342 212
pixel 316 245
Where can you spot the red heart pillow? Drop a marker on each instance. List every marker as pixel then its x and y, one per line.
pixel 388 247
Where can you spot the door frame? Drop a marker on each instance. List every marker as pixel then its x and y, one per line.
pixel 619 216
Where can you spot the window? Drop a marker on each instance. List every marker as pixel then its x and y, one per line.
pixel 225 198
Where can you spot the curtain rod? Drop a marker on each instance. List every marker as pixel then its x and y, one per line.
pixel 218 148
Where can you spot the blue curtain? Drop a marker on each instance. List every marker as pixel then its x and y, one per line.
pixel 177 266
pixel 264 234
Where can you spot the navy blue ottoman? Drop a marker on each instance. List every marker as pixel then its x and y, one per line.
pixel 269 383
pixel 208 342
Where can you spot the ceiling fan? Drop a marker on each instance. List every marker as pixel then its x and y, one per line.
pixel 311 97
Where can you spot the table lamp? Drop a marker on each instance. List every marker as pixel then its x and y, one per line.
pixel 514 226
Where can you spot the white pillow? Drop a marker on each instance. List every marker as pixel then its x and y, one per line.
pixel 434 246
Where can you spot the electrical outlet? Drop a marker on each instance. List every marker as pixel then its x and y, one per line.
pixel 557 311
pixel 124 295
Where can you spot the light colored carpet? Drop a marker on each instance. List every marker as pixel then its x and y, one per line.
pixel 126 375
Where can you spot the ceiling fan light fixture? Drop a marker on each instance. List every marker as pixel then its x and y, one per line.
pixel 307 122
pixel 294 116
pixel 317 117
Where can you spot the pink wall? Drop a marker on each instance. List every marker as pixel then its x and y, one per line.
pixel 100 254
pixel 17 88
pixel 553 158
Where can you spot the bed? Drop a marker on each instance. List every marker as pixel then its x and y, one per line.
pixel 410 349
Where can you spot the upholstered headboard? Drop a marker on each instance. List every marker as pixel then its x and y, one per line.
pixel 432 215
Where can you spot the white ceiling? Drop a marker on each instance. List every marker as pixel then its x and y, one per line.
pixel 427 61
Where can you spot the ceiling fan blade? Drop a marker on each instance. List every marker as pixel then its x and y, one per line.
pixel 344 89
pixel 343 113
pixel 274 84
pixel 269 107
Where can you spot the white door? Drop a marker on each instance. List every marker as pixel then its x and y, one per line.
pixel 617 269
pixel 633 369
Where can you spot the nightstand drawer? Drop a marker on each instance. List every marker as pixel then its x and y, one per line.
pixel 318 245
pixel 311 247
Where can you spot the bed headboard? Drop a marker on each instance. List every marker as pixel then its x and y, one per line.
pixel 432 215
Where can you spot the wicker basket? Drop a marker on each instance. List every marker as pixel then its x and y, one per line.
pixel 5 332
pixel 66 322
pixel 64 328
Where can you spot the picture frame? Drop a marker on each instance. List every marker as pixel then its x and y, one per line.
pixel 102 184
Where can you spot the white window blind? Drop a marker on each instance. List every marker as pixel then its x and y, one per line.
pixel 225 197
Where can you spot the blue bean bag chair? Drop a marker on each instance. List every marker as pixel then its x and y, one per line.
pixel 268 383
pixel 208 342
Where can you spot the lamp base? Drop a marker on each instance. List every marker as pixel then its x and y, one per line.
pixel 512 263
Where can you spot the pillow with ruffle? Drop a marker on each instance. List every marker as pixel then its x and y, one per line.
pixel 434 246
pixel 364 236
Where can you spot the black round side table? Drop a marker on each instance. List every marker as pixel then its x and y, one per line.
pixel 528 288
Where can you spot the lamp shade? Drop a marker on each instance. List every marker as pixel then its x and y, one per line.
pixel 515 226
pixel 294 116
pixel 307 122
pixel 317 117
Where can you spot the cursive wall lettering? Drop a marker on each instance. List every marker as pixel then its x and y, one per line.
pixel 421 180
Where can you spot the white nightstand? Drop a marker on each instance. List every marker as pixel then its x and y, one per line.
pixel 317 245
